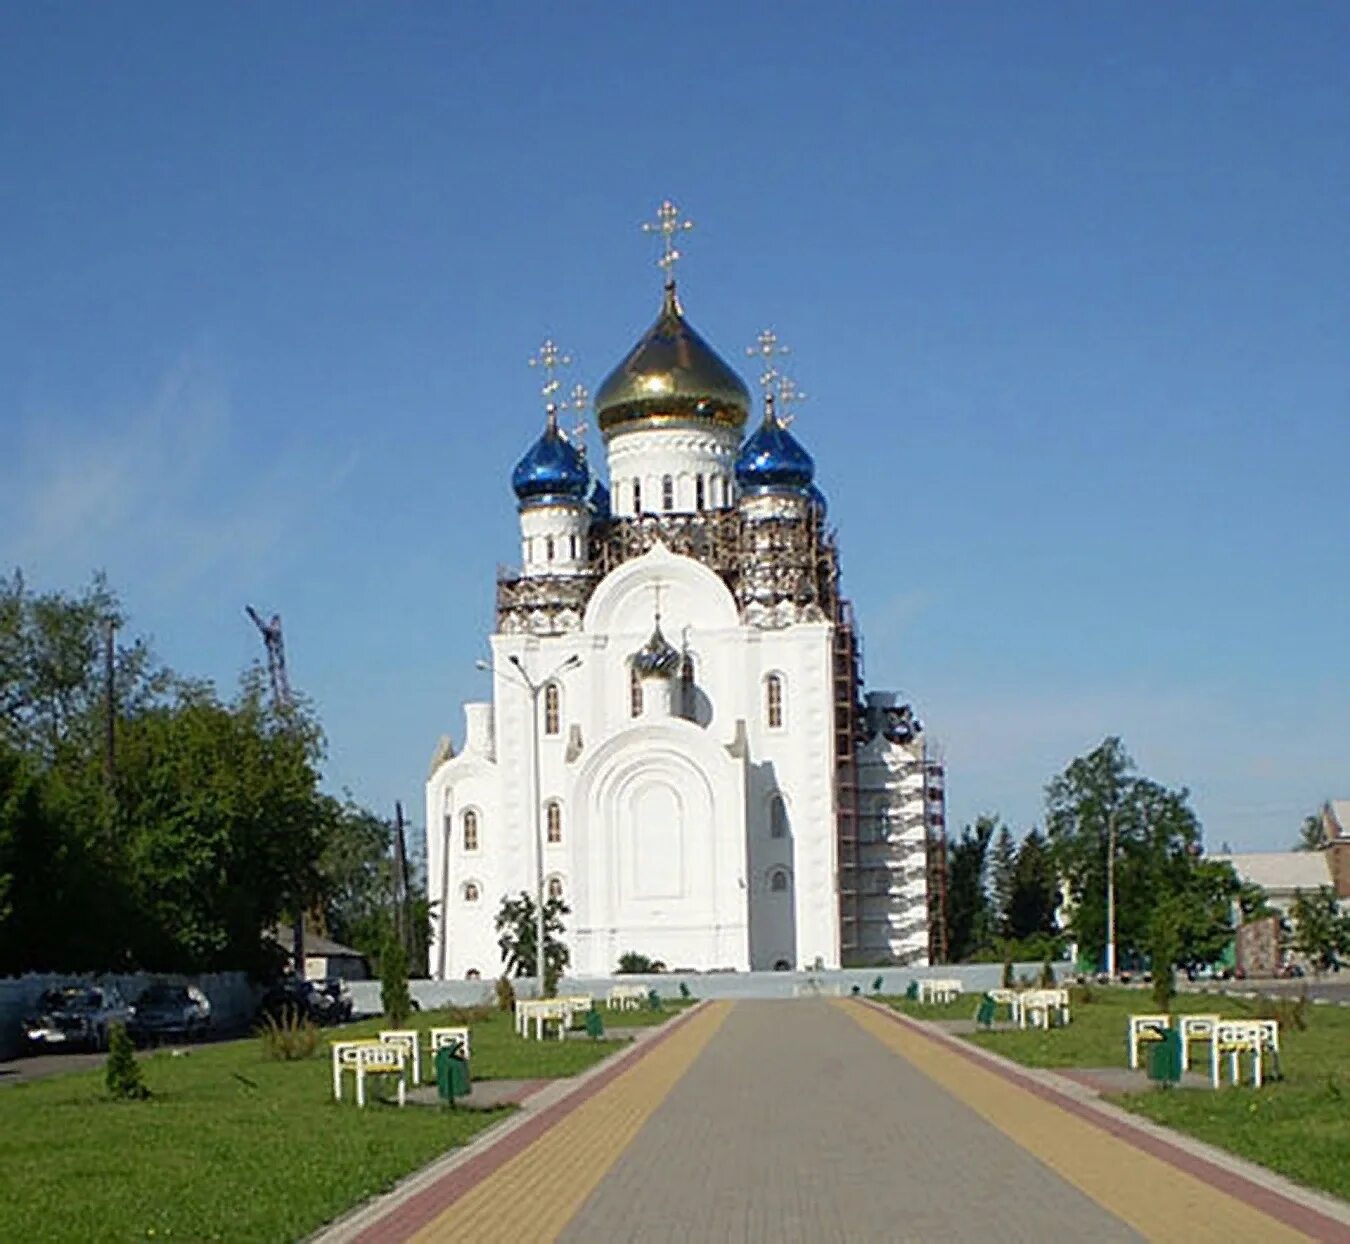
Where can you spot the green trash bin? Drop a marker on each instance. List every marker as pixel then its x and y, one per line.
pixel 653 1000
pixel 1164 1058
pixel 595 1026
pixel 985 1015
pixel 452 1073
pixel 912 991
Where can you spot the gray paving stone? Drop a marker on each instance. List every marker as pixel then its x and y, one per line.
pixel 795 1124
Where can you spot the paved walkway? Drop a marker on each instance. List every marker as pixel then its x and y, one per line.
pixel 832 1121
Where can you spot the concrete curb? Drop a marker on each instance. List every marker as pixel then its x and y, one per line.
pixel 1318 1214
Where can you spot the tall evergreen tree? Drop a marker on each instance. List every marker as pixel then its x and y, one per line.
pixel 1002 865
pixel 1035 893
pixel 968 920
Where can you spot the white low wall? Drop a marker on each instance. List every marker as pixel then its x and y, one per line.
pixel 233 998
pixel 974 977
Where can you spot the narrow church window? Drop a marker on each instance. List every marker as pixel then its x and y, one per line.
pixel 553 822
pixel 471 830
pixel 667 493
pixel 773 701
pixel 698 493
pixel 548 548
pixel 634 694
pixel 470 892
pixel 572 544
pixel 778 881
pixel 637 496
pixel 552 709
pixel 777 818
pixel 554 888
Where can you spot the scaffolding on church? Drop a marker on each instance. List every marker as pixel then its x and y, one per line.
pixel 935 835
pixel 847 734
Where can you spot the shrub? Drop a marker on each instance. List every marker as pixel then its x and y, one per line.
pixel 506 994
pixel 632 964
pixel 1007 974
pixel 395 1000
pixel 1292 1013
pixel 288 1037
pixel 123 1075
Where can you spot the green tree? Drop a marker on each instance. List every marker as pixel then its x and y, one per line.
pixel 1100 796
pixel 969 925
pixel 1164 950
pixel 1202 912
pixel 395 999
pixel 1321 930
pixel 1312 835
pixel 632 963
pixel 1002 866
pixel 122 1073
pixel 518 936
pixel 1034 896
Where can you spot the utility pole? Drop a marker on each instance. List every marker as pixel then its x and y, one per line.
pixel 402 931
pixel 1111 894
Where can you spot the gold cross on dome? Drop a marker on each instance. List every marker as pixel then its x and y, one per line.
pixel 550 358
pixel 767 349
pixel 788 397
pixel 668 223
pixel 579 401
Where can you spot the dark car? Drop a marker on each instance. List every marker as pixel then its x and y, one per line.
pixel 322 1002
pixel 166 1011
pixel 74 1015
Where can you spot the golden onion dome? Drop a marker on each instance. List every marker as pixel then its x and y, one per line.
pixel 672 373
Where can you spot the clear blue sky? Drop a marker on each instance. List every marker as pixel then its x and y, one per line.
pixel 1067 286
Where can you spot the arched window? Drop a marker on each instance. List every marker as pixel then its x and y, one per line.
pixel 572 545
pixel 637 496
pixel 667 493
pixel 471 830
pixel 553 822
pixel 777 818
pixel 778 881
pixel 470 891
pixel 548 548
pixel 634 694
pixel 555 889
pixel 773 701
pixel 552 709
pixel 698 493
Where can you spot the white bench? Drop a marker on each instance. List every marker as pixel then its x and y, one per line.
pixel 1195 1028
pixel 1145 1028
pixel 1235 1037
pixel 451 1037
pixel 548 1010
pixel 369 1058
pixel 626 997
pixel 935 991
pixel 1044 1003
pixel 409 1040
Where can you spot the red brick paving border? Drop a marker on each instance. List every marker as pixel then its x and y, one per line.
pixel 1305 1218
pixel 414 1212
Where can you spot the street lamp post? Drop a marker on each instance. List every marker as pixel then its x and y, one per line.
pixel 1111 895
pixel 535 690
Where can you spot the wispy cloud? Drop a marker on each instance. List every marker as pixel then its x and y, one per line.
pixel 161 488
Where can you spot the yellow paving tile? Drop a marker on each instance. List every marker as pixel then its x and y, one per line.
pixel 535 1194
pixel 1156 1199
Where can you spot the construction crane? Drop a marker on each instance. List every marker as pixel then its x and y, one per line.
pixel 281 701
pixel 276 656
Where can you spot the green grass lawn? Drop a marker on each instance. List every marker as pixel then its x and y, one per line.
pixel 963 1007
pixel 644 1018
pixel 232 1145
pixel 1299 1126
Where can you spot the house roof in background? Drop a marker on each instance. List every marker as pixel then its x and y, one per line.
pixel 315 944
pixel 1281 870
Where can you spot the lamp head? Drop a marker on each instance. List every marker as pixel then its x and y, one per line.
pixel 485 666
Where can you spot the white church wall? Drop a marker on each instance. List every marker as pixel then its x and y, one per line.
pixel 684 454
pixel 559 530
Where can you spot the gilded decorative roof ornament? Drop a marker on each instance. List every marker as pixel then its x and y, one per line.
pixel 579 403
pixel 549 359
pixel 768 350
pixel 671 375
pixel 789 396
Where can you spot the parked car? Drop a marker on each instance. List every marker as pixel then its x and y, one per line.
pixel 167 1011
pixel 75 1015
pixel 323 1002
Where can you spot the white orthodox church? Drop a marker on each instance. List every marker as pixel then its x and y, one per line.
pixel 677 742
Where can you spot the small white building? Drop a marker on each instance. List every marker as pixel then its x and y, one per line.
pixel 676 742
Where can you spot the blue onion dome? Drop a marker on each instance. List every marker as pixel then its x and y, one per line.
pixel 772 460
pixel 656 658
pixel 599 499
pixel 672 373
pixel 552 472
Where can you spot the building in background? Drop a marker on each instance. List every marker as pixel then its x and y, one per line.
pixel 677 743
